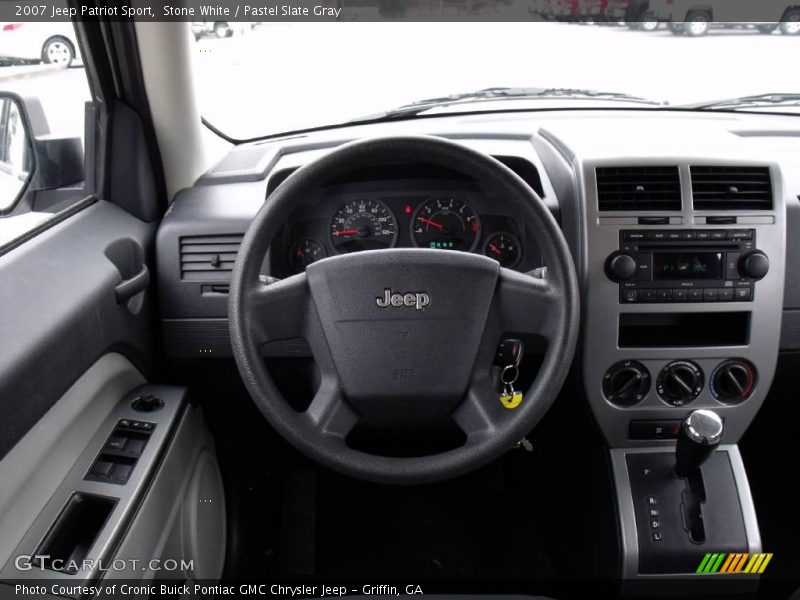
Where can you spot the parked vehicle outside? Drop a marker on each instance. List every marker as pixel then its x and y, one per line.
pixel 697 18
pixel 47 42
pixel 616 10
pixel 592 11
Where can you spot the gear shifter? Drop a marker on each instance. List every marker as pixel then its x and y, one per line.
pixel 701 433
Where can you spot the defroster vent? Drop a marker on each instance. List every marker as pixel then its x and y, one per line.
pixel 638 188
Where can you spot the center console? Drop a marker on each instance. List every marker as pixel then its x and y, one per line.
pixel 682 265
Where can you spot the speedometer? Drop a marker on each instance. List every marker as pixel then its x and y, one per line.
pixel 363 224
pixel 447 223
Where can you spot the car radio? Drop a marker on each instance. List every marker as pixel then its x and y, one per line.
pixel 694 265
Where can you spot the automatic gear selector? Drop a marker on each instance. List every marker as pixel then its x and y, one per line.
pixel 701 433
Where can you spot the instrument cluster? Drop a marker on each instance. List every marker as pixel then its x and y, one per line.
pixel 354 221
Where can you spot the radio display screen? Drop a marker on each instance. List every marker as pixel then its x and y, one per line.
pixel 687 265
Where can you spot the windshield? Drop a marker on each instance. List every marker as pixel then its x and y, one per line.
pixel 280 77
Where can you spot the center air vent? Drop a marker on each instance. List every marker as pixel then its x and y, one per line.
pixel 638 188
pixel 209 258
pixel 731 188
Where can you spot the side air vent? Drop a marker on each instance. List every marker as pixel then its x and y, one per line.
pixel 209 258
pixel 638 188
pixel 731 188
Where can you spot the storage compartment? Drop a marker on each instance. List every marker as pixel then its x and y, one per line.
pixel 74 532
pixel 684 330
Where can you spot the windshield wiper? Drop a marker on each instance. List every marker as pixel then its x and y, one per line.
pixel 504 93
pixel 774 99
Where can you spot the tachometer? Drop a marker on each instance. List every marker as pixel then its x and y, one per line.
pixel 445 222
pixel 363 224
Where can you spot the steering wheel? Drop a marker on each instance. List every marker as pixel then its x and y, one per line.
pixel 426 353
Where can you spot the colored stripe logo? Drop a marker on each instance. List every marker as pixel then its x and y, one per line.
pixel 736 562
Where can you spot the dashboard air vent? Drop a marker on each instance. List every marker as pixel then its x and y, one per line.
pixel 638 188
pixel 731 188
pixel 208 258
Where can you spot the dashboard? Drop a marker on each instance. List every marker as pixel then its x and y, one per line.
pixel 442 214
pixel 689 277
pixel 683 228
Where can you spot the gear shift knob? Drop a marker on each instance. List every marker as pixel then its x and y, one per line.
pixel 701 433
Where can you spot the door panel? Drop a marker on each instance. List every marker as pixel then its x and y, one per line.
pixel 59 311
pixel 33 470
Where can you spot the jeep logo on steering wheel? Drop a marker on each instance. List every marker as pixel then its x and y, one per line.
pixel 419 300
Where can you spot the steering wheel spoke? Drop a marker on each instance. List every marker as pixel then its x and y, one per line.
pixel 527 304
pixel 280 309
pixel 329 413
pixel 481 414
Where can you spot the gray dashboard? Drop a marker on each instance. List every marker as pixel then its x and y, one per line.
pixel 559 152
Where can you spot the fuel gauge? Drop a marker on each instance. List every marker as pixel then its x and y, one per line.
pixel 504 248
pixel 304 252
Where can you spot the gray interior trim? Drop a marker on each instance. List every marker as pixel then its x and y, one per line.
pixel 60 311
pixel 629 540
pixel 602 308
pixel 127 495
pixel 157 523
pixel 33 470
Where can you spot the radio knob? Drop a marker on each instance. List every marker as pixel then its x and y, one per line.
pixel 621 266
pixel 733 381
pixel 754 265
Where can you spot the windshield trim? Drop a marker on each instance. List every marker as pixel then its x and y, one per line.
pixel 415 117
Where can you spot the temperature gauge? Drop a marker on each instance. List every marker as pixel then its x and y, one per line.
pixel 304 252
pixel 504 248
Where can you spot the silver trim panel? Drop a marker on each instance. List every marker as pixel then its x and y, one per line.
pixel 629 539
pixel 128 495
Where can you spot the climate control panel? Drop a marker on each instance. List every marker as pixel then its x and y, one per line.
pixel 678 383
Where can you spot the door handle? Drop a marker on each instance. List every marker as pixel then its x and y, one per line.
pixel 128 288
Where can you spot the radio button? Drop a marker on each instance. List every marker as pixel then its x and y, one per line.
pixel 644 265
pixel 647 296
pixel 740 234
pixel 710 295
pixel 629 296
pixel 732 265
pixel 695 295
pixel 726 294
pixel 635 236
pixel 680 295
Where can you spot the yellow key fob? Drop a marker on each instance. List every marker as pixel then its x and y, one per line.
pixel 511 401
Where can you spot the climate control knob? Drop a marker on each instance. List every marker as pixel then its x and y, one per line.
pixel 626 383
pixel 680 382
pixel 620 266
pixel 733 381
pixel 754 265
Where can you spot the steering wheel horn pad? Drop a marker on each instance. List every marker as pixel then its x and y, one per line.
pixel 403 327
pixel 404 335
